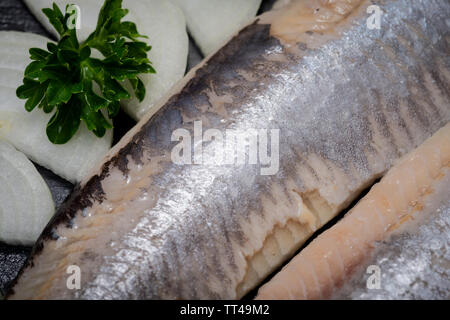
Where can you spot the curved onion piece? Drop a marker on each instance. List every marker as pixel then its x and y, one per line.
pixel 26 204
pixel 213 22
pixel 26 131
pixel 164 25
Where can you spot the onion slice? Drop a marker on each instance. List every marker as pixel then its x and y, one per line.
pixel 26 204
pixel 26 130
pixel 213 22
pixel 160 20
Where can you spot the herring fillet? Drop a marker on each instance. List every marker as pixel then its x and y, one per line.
pixel 160 20
pixel 26 130
pixel 423 242
pixel 145 227
pixel 319 269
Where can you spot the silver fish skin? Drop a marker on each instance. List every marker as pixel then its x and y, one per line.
pixel 419 253
pixel 348 102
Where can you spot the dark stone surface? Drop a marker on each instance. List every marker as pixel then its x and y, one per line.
pixel 11 260
pixel 15 16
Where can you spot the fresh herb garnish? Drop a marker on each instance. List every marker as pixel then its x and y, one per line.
pixel 67 78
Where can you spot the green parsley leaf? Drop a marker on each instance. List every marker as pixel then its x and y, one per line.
pixel 62 78
pixel 33 91
pixel 38 54
pixel 65 122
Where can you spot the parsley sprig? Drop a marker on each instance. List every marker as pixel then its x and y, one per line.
pixel 80 87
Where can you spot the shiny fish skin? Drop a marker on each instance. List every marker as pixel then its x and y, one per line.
pixel 392 204
pixel 425 247
pixel 347 109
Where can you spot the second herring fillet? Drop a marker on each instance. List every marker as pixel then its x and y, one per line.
pixel 328 261
pixel 348 101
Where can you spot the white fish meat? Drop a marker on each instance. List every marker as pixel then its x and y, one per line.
pixel 328 261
